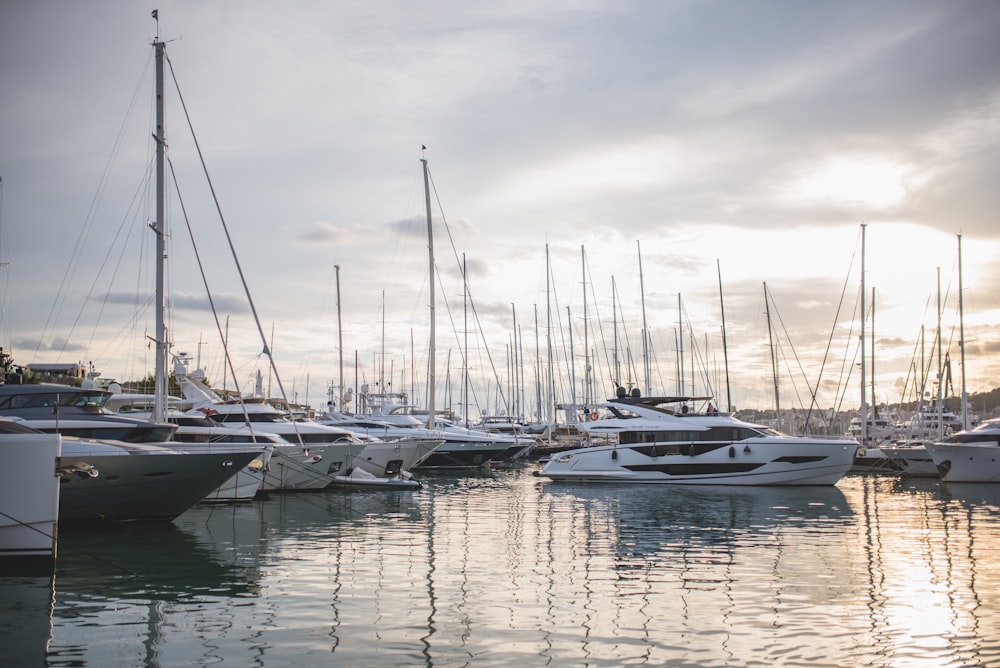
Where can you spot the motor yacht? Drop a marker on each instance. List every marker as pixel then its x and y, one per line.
pixel 969 456
pixel 662 440
pixel 77 411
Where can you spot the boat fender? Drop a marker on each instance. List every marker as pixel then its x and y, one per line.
pixel 614 454
pixel 732 451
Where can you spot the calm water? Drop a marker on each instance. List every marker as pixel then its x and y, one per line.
pixel 510 570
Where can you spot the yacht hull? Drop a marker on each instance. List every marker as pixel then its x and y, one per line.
pixel 141 487
pixel 745 463
pixel 247 482
pixel 462 455
pixel 295 469
pixel 386 458
pixel 912 459
pixel 966 462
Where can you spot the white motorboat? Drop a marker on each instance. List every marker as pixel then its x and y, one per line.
pixel 658 440
pixel 389 450
pixel 388 414
pixel 969 456
pixel 324 452
pixel 29 498
pixel 91 434
pixel 461 448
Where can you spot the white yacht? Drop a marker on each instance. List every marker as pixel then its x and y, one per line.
pixel 461 448
pixel 660 440
pixel 327 454
pixel 77 411
pixel 969 456
pixel 97 439
pixel 200 435
pixel 404 448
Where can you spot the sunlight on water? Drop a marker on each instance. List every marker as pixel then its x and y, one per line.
pixel 510 570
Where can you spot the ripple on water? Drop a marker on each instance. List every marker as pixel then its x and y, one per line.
pixel 507 569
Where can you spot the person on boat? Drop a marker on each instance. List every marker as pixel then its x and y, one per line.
pixel 712 410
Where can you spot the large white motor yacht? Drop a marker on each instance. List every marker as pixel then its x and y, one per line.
pixel 661 440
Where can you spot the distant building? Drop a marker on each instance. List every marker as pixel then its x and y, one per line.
pixel 48 372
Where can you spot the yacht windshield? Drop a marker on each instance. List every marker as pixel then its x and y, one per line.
pixel 47 399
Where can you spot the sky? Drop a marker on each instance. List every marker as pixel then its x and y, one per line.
pixel 599 169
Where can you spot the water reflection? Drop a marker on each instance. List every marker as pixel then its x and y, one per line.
pixel 505 569
pixel 697 571
pixel 930 550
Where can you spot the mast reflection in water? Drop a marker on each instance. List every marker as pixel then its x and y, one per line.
pixel 510 570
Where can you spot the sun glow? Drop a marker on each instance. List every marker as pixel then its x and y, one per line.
pixel 878 183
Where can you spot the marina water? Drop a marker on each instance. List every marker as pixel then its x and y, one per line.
pixel 505 569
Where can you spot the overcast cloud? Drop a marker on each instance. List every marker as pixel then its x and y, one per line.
pixel 747 139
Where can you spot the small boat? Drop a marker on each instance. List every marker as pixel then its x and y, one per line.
pixel 29 498
pixel 660 440
pixel 362 479
pixel 969 456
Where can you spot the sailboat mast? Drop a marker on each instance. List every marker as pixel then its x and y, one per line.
pixel 160 379
pixel 725 350
pixel 874 404
pixel 430 259
pixel 961 337
pixel 465 343
pixel 614 322
pixel 340 342
pixel 864 314
pixel 572 358
pixel 586 336
pixel 774 361
pixel 940 360
pixel 680 344
pixel 550 376
pixel 645 331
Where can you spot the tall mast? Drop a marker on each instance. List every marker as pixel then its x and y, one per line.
pixel 551 384
pixel 514 402
pixel 864 313
pixel 465 334
pixel 340 341
pixel 160 379
pixel 572 359
pixel 586 338
pixel 538 375
pixel 430 259
pixel 774 362
pixel 614 321
pixel 874 404
pixel 725 350
pixel 645 331
pixel 961 336
pixel 680 344
pixel 940 372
